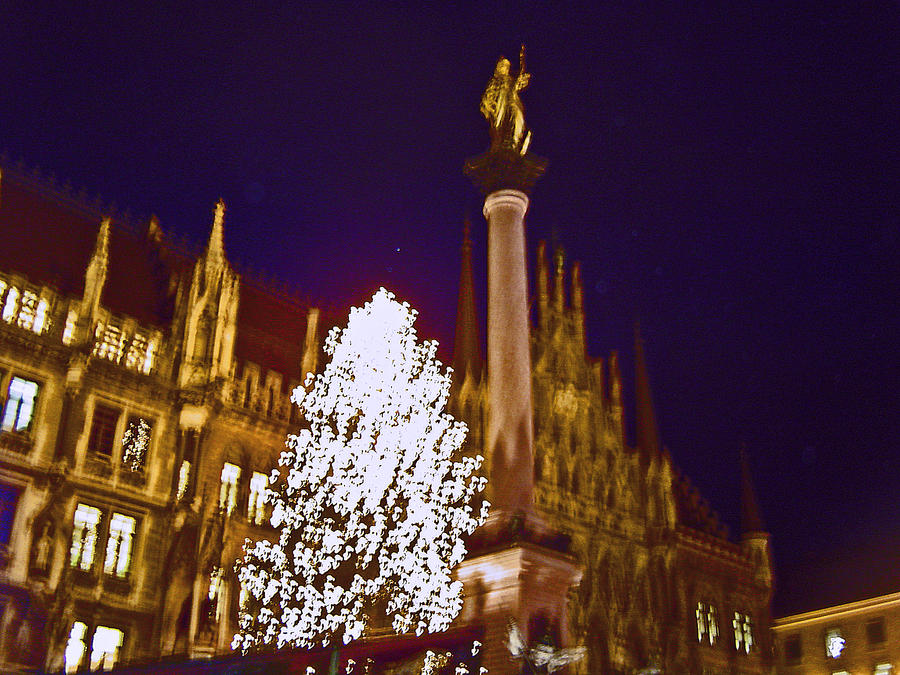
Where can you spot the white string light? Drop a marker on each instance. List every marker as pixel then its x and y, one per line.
pixel 372 499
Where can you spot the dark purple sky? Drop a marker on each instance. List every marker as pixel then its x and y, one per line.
pixel 727 172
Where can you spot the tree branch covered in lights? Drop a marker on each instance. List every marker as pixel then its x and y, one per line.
pixel 372 499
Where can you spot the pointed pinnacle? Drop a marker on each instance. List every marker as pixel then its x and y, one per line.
pixel 216 247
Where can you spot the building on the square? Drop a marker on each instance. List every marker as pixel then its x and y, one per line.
pixel 858 637
pixel 145 394
pixel 144 401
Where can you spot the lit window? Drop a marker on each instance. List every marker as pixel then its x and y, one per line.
pixel 19 405
pixel 134 357
pixel 136 443
pixel 231 473
pixel 743 632
pixel 110 343
pixel 105 648
pixel 84 536
pixel 883 669
pixel 69 330
pixel 149 357
pixel 28 312
pixel 256 504
pixel 215 590
pixel 9 307
pixel 140 353
pixel 40 318
pixel 103 430
pixel 184 475
pixel 118 546
pixel 75 647
pixel 707 623
pixel 834 643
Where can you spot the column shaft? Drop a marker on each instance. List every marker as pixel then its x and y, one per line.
pixel 509 358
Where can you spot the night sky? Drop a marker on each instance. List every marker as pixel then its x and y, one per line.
pixel 727 173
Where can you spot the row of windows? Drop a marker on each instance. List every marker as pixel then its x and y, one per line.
pixel 29 311
pixel 708 627
pixel 90 522
pixel 106 435
pixel 137 351
pixel 125 438
pixel 835 641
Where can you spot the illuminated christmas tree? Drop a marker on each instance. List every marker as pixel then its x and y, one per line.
pixel 372 499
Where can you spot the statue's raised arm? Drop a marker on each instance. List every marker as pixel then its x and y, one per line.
pixel 502 107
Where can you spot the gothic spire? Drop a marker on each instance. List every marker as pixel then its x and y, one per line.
pixel 215 250
pixel 751 520
pixel 543 282
pixel 615 395
pixel 647 431
pixel 578 306
pixel 559 283
pixel 467 359
pixel 101 246
pixel 94 281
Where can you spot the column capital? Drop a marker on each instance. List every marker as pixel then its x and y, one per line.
pixel 515 199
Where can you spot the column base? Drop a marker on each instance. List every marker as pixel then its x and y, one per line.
pixel 523 583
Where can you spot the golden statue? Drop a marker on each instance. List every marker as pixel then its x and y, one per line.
pixel 502 107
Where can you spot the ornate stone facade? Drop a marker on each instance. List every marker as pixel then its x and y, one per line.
pixel 663 587
pixel 145 393
pixel 117 544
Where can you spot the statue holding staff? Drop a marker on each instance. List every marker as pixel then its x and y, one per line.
pixel 502 107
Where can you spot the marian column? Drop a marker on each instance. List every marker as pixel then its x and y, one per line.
pixel 519 571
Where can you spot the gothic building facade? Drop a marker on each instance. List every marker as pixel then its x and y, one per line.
pixel 664 589
pixel 144 396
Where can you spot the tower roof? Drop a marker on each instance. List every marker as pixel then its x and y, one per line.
pixel 467 358
pixel 751 520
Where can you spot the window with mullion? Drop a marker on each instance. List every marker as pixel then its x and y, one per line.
pixel 103 430
pixel 118 545
pixel 85 530
pixel 20 402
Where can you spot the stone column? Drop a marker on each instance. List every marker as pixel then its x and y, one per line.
pixel 509 424
pixel 518 570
